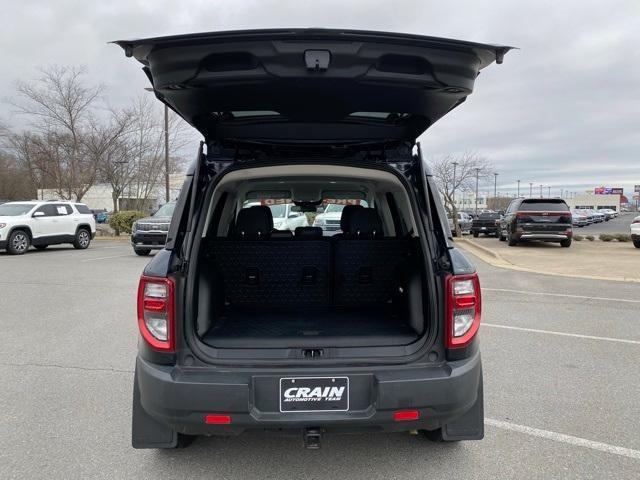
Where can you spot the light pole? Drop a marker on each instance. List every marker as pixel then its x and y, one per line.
pixel 531 189
pixel 495 185
pixel 540 190
pixel 518 189
pixel 477 174
pixel 166 148
pixel 453 194
pixel 549 191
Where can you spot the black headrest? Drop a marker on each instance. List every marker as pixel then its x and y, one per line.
pixel 254 222
pixel 347 211
pixel 365 222
pixel 309 232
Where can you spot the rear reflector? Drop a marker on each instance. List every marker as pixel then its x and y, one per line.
pixel 217 419
pixel 406 415
pixel 463 309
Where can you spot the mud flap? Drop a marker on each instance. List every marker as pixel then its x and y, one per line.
pixel 469 426
pixel 146 432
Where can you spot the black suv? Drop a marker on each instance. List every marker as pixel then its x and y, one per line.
pixel 543 219
pixel 150 233
pixel 244 326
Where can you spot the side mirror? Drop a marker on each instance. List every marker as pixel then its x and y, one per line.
pixel 38 214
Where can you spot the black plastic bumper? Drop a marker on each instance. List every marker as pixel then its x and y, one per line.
pixel 179 399
pixel 3 244
pixel 152 241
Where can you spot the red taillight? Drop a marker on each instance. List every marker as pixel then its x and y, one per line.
pixel 406 415
pixel 156 313
pixel 217 419
pixel 464 305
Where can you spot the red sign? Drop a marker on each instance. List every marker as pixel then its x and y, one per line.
pixel 608 191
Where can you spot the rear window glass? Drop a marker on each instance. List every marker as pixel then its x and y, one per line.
pixel 82 208
pixel 543 205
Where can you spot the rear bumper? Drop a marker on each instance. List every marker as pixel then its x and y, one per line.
pixel 152 241
pixel 547 237
pixel 180 398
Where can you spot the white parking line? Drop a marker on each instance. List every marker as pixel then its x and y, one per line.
pixel 105 258
pixel 562 334
pixel 564 295
pixel 561 437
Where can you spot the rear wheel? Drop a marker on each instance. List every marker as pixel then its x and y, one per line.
pixel 566 243
pixel 41 247
pixel 510 240
pixel 475 234
pixel 82 240
pixel 501 237
pixel 18 242
pixel 143 252
pixel 636 243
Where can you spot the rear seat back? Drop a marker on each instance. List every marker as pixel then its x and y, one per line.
pixel 260 266
pixel 362 268
pixel 273 272
pixel 369 267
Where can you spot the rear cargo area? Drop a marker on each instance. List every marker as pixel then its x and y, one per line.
pixel 310 292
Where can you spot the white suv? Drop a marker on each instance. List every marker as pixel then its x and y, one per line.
pixel 44 223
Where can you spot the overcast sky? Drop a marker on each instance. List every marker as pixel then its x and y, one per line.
pixel 563 111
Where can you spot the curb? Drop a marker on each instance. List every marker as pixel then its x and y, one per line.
pixel 111 239
pixel 482 248
pixel 496 260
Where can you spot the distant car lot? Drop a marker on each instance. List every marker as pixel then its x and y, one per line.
pixel 68 375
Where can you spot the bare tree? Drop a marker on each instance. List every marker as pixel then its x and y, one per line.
pixel 468 166
pixel 107 145
pixel 59 105
pixel 147 147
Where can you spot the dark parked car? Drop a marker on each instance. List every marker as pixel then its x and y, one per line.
pixel 544 219
pixel 487 223
pixel 244 326
pixel 150 233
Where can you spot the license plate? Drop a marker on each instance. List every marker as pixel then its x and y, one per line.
pixel 314 394
pixel 483 228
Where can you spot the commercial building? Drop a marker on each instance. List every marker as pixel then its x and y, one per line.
pixel 99 196
pixel 611 201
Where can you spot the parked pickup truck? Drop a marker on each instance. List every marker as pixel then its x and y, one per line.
pixel 487 223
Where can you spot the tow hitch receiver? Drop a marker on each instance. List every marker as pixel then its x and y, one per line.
pixel 311 438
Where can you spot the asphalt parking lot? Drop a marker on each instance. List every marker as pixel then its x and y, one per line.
pixel 561 366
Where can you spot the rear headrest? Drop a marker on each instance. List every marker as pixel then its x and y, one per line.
pixel 309 232
pixel 254 222
pixel 365 222
pixel 347 211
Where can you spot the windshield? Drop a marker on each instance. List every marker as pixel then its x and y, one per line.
pixel 14 209
pixel 333 207
pixel 166 210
